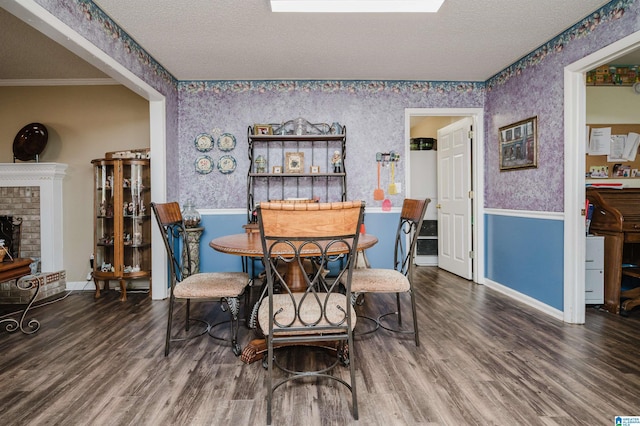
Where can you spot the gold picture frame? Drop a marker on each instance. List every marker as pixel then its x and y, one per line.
pixel 314 169
pixel 519 145
pixel 294 162
pixel 276 169
pixel 262 129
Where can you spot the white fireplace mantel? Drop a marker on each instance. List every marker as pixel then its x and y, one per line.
pixel 47 176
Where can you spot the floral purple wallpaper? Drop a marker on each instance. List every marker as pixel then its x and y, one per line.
pixel 535 87
pixel 373 111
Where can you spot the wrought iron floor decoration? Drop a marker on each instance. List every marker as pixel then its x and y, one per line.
pixel 26 283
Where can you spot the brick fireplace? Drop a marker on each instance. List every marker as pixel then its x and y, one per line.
pixel 33 191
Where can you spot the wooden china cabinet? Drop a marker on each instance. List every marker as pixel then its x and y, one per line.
pixel 122 222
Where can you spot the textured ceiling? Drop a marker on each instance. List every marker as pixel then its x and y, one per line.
pixel 468 40
pixel 229 39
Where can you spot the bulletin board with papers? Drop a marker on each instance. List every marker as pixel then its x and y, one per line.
pixel 612 151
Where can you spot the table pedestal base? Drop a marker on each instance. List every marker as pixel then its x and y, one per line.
pixel 257 349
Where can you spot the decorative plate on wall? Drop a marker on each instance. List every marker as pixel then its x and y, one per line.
pixel 30 142
pixel 204 164
pixel 226 164
pixel 204 142
pixel 226 142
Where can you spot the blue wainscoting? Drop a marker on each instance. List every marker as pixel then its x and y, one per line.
pixel 526 254
pixel 381 224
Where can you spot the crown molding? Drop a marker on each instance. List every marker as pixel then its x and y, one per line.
pixel 59 82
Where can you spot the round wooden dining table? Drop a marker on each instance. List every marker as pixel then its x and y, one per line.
pixel 250 245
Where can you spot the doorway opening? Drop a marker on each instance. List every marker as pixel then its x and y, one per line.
pixel 434 117
pixel 574 162
pixel 52 27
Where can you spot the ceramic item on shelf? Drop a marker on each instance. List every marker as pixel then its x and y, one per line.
pixel 190 215
pixel 204 142
pixel 226 142
pixel 226 164
pixel 261 164
pixel 336 128
pixel 204 164
pixel 336 161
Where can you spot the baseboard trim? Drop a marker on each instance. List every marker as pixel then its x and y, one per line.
pixel 90 285
pixel 529 301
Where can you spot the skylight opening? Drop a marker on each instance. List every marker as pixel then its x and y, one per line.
pixel 356 6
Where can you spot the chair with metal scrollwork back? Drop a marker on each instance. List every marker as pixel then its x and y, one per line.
pixel 223 286
pixel 312 309
pixel 398 280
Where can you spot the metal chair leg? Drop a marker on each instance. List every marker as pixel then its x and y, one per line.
pixel 415 317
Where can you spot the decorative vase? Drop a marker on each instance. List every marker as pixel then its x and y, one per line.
pixel 190 215
pixel 301 126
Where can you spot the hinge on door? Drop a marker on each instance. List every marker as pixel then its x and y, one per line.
pixel 470 134
pixel 471 254
pixel 471 195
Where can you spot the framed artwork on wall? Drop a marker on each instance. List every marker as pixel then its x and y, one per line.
pixel 262 129
pixel 519 145
pixel 294 162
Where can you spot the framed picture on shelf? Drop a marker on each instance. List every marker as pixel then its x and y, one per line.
pixel 262 129
pixel 294 162
pixel 276 169
pixel 519 145
pixel 314 169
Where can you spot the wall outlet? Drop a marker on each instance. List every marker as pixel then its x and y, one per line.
pixel 398 187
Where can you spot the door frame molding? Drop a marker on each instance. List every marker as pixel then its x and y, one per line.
pixel 575 122
pixel 477 175
pixel 42 20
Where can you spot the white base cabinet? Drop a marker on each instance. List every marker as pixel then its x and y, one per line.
pixel 594 270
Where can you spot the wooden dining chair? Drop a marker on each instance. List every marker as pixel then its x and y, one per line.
pixel 398 280
pixel 318 311
pixel 223 286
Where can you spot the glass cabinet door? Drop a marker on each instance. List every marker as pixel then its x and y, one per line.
pixel 136 218
pixel 105 227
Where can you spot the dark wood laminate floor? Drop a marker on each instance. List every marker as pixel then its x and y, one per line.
pixel 484 359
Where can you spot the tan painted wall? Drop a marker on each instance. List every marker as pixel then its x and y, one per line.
pixel 427 127
pixel 83 123
pixel 612 105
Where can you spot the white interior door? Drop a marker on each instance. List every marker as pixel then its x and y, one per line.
pixel 454 198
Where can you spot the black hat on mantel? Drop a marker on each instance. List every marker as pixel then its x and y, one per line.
pixel 30 142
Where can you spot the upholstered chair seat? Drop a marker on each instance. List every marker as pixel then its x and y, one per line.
pixel 376 280
pixel 214 285
pixel 311 312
